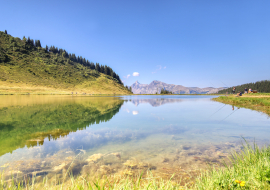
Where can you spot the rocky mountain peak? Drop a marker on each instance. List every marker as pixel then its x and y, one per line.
pixel 155 86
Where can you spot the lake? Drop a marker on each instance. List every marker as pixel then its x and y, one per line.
pixel 121 136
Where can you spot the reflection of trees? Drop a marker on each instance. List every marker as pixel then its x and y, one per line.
pixel 155 102
pixel 22 126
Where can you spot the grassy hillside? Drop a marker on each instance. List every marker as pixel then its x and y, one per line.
pixel 29 68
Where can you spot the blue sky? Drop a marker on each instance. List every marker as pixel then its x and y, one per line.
pixel 190 42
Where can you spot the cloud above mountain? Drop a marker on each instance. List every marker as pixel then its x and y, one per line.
pixel 127 76
pixel 136 74
pixel 158 67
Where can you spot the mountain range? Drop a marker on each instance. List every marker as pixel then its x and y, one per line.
pixel 156 86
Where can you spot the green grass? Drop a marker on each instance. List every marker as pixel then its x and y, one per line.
pixel 258 102
pixel 72 183
pixel 251 166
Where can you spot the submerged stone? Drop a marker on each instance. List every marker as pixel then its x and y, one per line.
pixel 94 157
pixel 131 164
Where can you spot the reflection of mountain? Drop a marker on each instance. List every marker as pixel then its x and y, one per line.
pixel 22 126
pixel 155 102
pixel 156 86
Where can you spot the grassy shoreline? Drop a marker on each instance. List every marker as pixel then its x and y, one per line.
pixel 258 102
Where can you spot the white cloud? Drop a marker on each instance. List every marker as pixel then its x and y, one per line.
pixel 127 76
pixel 135 112
pixel 136 74
pixel 158 67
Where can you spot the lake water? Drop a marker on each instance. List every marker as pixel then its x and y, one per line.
pixel 121 136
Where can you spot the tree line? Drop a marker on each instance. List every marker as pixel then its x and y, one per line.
pixel 30 44
pixel 129 88
pixel 261 86
pixel 164 91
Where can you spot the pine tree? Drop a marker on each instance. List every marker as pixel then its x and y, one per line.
pixel 97 67
pixel 106 70
pixel 102 69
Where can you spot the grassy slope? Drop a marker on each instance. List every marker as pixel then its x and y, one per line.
pixel 33 70
pixel 259 102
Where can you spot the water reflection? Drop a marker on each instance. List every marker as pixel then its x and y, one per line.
pixel 43 137
pixel 29 124
pixel 154 102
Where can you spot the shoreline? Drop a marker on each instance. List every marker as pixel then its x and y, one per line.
pixel 258 102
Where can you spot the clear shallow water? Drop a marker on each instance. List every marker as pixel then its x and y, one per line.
pixel 43 135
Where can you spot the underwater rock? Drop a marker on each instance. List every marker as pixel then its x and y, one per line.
pixel 59 167
pixel 94 157
pixel 150 167
pixel 86 169
pixel 105 169
pixel 185 147
pixel 131 164
pixel 165 160
pixel 117 154
pixel 143 165
pixel 128 172
pixel 14 172
pixel 176 158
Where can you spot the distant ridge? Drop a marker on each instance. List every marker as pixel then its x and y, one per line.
pixel 156 86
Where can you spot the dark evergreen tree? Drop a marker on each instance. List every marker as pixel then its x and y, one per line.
pixel 97 67
pixel 37 43
pixel 5 31
pixel 102 69
pixel 106 70
pixel 92 65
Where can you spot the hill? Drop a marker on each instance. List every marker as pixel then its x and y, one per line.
pixel 27 67
pixel 260 86
pixel 156 86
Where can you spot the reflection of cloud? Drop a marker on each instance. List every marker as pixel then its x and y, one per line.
pixel 136 74
pixel 127 110
pixel 135 112
pixel 157 117
pixel 164 67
